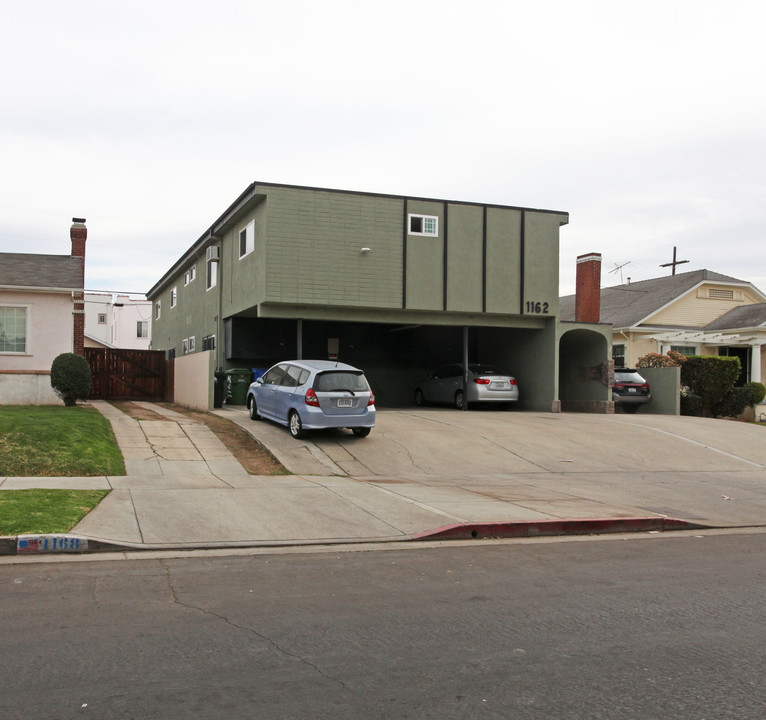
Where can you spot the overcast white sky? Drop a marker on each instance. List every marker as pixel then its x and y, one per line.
pixel 645 121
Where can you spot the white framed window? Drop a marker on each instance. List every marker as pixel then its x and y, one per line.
pixel 173 297
pixel 192 343
pixel 212 274
pixel 142 329
pixel 618 354
pixel 208 342
pixel 185 346
pixel 247 239
pixel 13 329
pixel 423 225
pixel 157 309
pixel 684 349
pixel 190 274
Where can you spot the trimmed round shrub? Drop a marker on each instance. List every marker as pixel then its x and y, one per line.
pixel 70 378
pixel 691 404
pixel 734 403
pixel 758 391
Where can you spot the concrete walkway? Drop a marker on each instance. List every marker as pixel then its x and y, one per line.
pixel 419 470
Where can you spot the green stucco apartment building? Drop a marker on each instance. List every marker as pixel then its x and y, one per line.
pixel 395 285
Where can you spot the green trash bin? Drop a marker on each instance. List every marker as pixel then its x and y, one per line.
pixel 237 382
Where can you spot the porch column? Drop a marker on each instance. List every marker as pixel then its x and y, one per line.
pixel 755 363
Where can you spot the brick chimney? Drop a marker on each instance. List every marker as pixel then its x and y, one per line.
pixel 588 288
pixel 78 233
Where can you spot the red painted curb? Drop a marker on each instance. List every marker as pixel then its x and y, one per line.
pixel 539 528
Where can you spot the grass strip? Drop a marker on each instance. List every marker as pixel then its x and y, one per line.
pixel 55 441
pixel 45 511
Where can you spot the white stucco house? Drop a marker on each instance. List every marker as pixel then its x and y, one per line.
pixel 41 316
pixel 115 320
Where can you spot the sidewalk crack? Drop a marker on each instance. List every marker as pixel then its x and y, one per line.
pixel 287 654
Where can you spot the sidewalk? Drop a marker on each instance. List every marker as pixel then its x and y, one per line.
pixel 183 488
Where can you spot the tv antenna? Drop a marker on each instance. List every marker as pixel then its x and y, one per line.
pixel 619 267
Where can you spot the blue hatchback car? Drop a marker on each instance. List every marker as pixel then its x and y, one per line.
pixel 312 395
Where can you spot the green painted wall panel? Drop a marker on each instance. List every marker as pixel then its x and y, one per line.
pixel 503 260
pixel 541 263
pixel 425 261
pixel 314 248
pixel 465 258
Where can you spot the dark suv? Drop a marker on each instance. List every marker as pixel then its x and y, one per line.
pixel 630 390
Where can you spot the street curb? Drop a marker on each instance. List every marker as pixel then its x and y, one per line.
pixel 540 528
pixel 10 545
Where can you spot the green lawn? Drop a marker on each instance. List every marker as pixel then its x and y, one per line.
pixel 45 511
pixel 55 441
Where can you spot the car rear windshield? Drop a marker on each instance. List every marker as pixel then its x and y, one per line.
pixel 628 376
pixel 486 370
pixel 335 380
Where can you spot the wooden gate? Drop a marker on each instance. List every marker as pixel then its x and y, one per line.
pixel 128 374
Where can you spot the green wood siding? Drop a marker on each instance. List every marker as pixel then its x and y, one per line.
pixel 314 248
pixel 503 261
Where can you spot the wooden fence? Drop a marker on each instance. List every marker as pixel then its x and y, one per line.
pixel 129 374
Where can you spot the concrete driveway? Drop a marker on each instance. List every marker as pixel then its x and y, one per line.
pixel 505 465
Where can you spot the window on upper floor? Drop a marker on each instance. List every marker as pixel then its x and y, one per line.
pixel 185 346
pixel 212 274
pixel 247 239
pixel 157 309
pixel 423 225
pixel 173 297
pixel 190 274
pixel 208 342
pixel 192 343
pixel 142 329
pixel 13 329
pixel 102 318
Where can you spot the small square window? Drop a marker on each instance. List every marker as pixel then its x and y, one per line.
pixel 102 318
pixel 142 329
pixel 424 225
pixel 208 342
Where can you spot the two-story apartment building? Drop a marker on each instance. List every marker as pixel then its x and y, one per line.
pixel 396 285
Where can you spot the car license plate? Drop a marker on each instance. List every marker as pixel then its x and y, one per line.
pixel 632 390
pixel 345 402
pixel 500 386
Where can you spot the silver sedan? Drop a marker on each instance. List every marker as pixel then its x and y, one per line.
pixel 486 383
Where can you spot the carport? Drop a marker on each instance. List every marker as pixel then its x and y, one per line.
pixel 396 356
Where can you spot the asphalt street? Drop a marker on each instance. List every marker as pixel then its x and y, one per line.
pixel 662 626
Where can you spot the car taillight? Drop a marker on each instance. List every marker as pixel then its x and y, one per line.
pixel 481 381
pixel 371 401
pixel 645 386
pixel 311 398
pixel 513 381
pixel 619 386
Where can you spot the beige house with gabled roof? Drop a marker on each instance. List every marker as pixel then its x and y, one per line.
pixel 696 313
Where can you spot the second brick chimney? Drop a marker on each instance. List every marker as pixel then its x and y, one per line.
pixel 588 288
pixel 78 233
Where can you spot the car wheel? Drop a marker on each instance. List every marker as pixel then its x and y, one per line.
pixel 361 432
pixel 630 409
pixel 420 399
pixel 295 425
pixel 253 407
pixel 460 400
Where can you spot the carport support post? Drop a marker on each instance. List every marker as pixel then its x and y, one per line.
pixel 299 339
pixel 465 367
